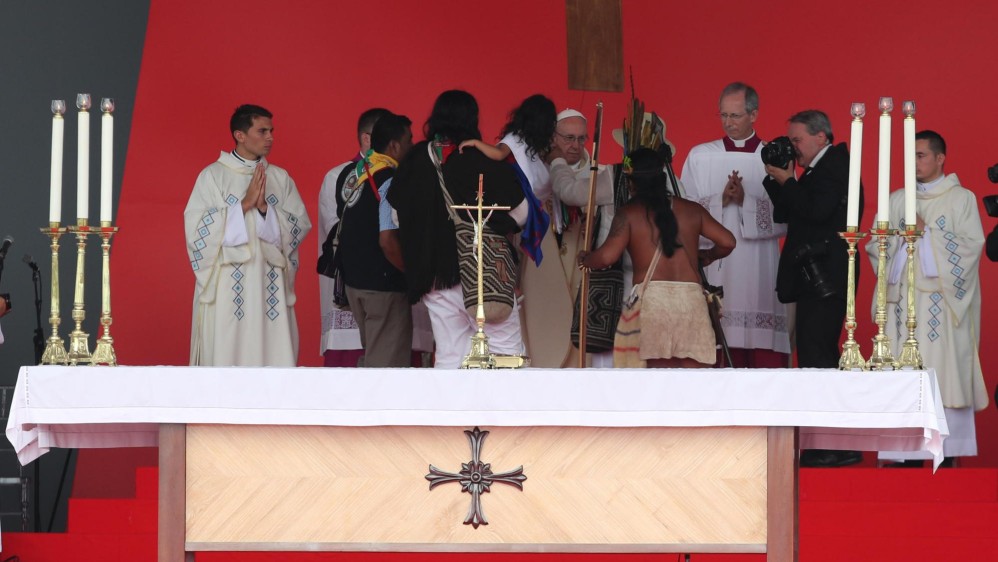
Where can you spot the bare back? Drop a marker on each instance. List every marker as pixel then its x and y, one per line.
pixel 693 221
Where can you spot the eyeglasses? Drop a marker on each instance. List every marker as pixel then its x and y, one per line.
pixel 572 139
pixel 732 116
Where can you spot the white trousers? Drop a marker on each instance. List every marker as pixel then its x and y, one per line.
pixel 453 328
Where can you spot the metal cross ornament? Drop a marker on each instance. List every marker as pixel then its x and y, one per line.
pixel 476 478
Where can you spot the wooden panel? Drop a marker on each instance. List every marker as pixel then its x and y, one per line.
pixel 172 439
pixel 587 489
pixel 783 494
pixel 595 45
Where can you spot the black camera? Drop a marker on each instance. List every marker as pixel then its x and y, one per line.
pixel 808 257
pixel 991 205
pixel 991 201
pixel 778 152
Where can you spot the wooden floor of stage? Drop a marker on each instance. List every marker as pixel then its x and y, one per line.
pixel 845 514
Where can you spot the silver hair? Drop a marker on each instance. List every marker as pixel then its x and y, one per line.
pixel 816 122
pixel 751 96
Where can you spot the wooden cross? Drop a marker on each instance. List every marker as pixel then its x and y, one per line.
pixel 476 478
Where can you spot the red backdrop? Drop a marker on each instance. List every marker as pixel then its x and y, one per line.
pixel 318 64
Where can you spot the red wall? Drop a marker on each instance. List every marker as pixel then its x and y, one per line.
pixel 318 64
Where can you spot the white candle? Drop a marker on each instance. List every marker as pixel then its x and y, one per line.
pixel 58 140
pixel 106 158
pixel 83 157
pixel 884 163
pixel 910 217
pixel 855 159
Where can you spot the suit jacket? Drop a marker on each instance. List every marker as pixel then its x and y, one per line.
pixel 814 209
pixel 992 250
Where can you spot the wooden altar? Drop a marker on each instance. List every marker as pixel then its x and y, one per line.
pixel 621 461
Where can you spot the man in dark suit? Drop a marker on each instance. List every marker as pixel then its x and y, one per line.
pixel 813 265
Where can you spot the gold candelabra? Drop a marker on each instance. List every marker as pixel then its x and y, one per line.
pixel 910 356
pixel 79 346
pixel 55 349
pixel 882 357
pixel 104 352
pixel 851 359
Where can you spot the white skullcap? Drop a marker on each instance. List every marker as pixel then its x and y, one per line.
pixel 566 113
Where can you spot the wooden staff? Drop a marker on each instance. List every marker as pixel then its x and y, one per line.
pixel 588 236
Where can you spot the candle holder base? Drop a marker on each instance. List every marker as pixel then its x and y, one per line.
pixel 104 353
pixel 79 348
pixel 882 359
pixel 910 358
pixel 851 359
pixel 55 352
pixel 480 358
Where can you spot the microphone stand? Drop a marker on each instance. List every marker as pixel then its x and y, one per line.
pixel 715 316
pixel 39 344
pixel 39 339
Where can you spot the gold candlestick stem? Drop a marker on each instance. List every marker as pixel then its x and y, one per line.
pixel 851 359
pixel 882 358
pixel 479 357
pixel 104 352
pixel 79 345
pixel 910 357
pixel 55 348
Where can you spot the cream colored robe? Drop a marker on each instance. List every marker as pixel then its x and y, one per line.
pixel 948 306
pixel 244 292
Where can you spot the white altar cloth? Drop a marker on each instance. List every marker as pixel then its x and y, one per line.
pixel 91 407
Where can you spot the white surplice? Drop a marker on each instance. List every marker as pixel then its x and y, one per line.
pixel 753 318
pixel 339 329
pixel 244 265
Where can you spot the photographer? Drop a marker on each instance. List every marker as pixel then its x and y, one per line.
pixel 814 261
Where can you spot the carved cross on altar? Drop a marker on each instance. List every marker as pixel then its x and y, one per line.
pixel 476 478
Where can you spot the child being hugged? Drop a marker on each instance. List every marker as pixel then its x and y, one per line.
pixel 529 130
pixel 526 140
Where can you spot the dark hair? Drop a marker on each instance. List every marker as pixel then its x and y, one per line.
pixel 533 121
pixel 651 188
pixel 242 118
pixel 388 128
pixel 936 142
pixel 365 124
pixel 751 96
pixel 816 122
pixel 454 118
